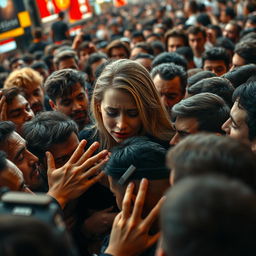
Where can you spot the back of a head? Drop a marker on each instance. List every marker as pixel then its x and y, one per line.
pixel 199 76
pixel 217 85
pixel 146 156
pixel 170 57
pixel 46 129
pixel 247 50
pixel 241 74
pixel 209 216
pixel 21 235
pixel 227 157
pixel 210 111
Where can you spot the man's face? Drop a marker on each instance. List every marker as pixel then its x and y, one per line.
pixel 237 61
pixel 197 42
pixel 183 127
pixel 74 105
pixel 19 111
pixel 236 126
pixel 174 43
pixel 230 32
pixel 68 63
pixel 146 62
pixel 217 67
pixel 16 150
pixel 35 96
pixel 169 90
pixel 12 178
pixel 63 151
pixel 118 53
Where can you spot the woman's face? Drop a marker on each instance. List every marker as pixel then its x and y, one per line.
pixel 120 115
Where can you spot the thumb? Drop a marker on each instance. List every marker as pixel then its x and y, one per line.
pixel 152 239
pixel 50 161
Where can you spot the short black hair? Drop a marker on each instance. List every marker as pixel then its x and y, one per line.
pixel 199 76
pixel 46 129
pixel 168 71
pixel 170 57
pixel 247 50
pixel 185 51
pixel 217 53
pixel 3 161
pixel 147 156
pixel 6 129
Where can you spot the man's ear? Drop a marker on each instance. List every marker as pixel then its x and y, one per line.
pixel 52 104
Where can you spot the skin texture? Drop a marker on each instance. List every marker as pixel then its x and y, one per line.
pixel 68 63
pixel 237 61
pixel 169 90
pixel 174 43
pixel 120 115
pixel 118 53
pixel 75 105
pixel 236 126
pixel 196 42
pixel 19 111
pixel 217 67
pixel 184 126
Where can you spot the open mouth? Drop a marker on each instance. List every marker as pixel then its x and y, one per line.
pixel 121 135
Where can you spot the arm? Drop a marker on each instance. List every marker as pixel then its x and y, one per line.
pixel 130 233
pixel 77 175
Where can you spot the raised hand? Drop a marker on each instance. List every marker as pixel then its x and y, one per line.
pixel 77 175
pixel 130 233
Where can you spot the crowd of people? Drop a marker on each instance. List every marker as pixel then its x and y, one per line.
pixel 141 129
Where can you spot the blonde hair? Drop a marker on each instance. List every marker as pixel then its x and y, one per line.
pixel 134 79
pixel 23 78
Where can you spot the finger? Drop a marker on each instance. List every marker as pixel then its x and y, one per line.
pixel 78 152
pixel 153 215
pixel 94 180
pixel 88 153
pixel 50 161
pixel 140 199
pixel 126 205
pixel 94 160
pixel 93 170
pixel 152 240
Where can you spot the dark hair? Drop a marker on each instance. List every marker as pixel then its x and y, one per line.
pixel 194 30
pixel 241 74
pixel 117 44
pixel 217 85
pixel 22 235
pixel 39 64
pixel 145 46
pixel 158 47
pixel 186 52
pixel 3 162
pixel 168 71
pixel 61 14
pixel 147 156
pixel 61 83
pixel 64 55
pixel 209 215
pixel 170 57
pixel 210 111
pixel 137 33
pixel 199 76
pixel 217 53
pixel 229 11
pixel 46 129
pixel 245 94
pixel 216 28
pixel 154 35
pixel 6 129
pixel 227 156
pixel 247 50
pixel 11 93
pixel 176 33
pixel 225 43
pixel 203 19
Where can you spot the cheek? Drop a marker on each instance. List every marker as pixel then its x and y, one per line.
pixel 108 122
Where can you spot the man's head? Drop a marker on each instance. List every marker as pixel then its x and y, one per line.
pixel 10 175
pixel 67 93
pixel 54 132
pixel 208 216
pixel 217 85
pixel 29 81
pixel 170 81
pixel 242 122
pixel 118 50
pixel 66 59
pixel 142 47
pixel 197 39
pixel 202 112
pixel 245 53
pixel 174 39
pixel 16 150
pixel 231 31
pixel 216 60
pixel 227 156
pixel 145 60
pixel 148 158
pixel 18 109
